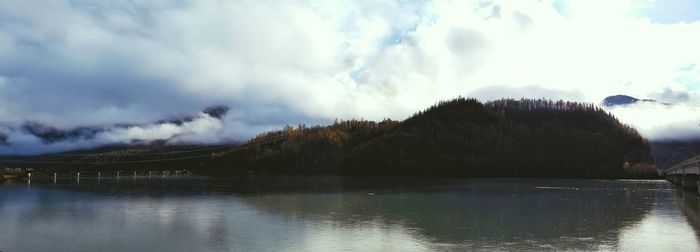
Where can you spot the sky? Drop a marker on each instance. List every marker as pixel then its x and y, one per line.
pixel 127 67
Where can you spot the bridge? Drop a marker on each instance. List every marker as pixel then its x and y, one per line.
pixel 685 174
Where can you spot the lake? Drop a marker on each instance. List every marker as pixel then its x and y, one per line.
pixel 347 214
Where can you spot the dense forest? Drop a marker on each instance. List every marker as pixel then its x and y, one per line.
pixel 461 138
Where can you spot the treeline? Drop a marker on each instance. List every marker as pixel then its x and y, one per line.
pixel 461 137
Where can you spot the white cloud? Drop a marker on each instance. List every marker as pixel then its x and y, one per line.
pixel 661 122
pixel 202 129
pixel 76 63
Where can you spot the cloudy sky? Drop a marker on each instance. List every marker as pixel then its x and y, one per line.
pixel 88 63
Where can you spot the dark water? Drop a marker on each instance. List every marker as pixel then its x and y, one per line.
pixel 347 214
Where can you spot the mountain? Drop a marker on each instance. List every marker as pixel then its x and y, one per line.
pixel 618 100
pixel 458 138
pixel 666 152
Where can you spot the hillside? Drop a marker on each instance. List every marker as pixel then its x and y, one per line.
pixel 669 152
pixel 461 137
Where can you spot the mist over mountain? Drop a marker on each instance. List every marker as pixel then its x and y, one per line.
pixel 36 138
pixel 672 128
pixel 657 120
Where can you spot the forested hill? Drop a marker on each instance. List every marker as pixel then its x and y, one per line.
pixel 460 137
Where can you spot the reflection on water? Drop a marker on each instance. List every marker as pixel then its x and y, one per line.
pixel 348 214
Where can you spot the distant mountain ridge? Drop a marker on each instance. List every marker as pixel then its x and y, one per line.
pixel 620 100
pixel 49 134
pixel 670 152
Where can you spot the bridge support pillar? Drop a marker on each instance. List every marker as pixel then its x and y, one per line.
pixel 689 181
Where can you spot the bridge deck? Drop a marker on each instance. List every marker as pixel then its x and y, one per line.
pixel 685 174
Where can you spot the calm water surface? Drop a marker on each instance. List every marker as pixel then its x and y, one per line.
pixel 347 214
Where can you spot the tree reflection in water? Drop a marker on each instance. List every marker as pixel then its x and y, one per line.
pixel 330 213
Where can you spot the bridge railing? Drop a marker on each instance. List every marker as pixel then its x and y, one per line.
pixel 691 162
